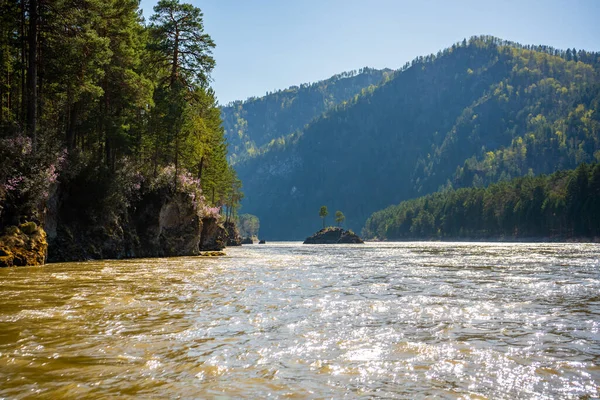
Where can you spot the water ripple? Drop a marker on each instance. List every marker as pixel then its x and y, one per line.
pixel 385 320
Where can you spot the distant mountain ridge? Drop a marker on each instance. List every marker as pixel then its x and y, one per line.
pixel 479 111
pixel 252 124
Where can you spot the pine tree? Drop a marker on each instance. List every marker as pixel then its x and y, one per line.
pixel 323 213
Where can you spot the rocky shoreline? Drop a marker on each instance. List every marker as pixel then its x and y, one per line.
pixel 160 224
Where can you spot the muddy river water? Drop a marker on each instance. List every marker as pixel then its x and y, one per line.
pixel 286 320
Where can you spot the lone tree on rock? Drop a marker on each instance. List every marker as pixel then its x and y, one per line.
pixel 339 218
pixel 323 213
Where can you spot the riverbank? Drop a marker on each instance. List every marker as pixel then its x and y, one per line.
pixel 167 216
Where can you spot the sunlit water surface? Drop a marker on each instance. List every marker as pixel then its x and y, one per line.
pixel 395 320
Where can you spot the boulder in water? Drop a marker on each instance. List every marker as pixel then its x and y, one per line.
pixel 333 235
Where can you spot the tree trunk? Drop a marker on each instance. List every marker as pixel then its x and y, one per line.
pixel 40 84
pixel 107 141
pixel 32 41
pixel 8 95
pixel 200 169
pixel 176 157
pixel 155 157
pixel 71 136
pixel 175 58
pixel 2 98
pixel 20 114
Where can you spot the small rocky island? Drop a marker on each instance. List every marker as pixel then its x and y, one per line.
pixel 333 235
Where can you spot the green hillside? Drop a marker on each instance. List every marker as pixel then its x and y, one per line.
pixel 563 205
pixel 254 123
pixel 479 111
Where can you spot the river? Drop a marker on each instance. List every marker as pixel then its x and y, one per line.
pixel 286 320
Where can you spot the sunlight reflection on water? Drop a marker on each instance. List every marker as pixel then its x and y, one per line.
pixel 402 320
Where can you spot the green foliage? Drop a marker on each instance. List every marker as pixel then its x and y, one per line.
pixel 339 218
pixel 26 177
pixel 323 213
pixel 125 101
pixel 259 124
pixel 478 112
pixel 564 204
pixel 248 225
pixel 182 47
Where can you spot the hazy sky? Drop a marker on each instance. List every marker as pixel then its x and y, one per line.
pixel 264 45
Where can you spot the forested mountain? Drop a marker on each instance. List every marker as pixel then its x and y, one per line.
pixel 563 205
pixel 480 111
pixel 256 122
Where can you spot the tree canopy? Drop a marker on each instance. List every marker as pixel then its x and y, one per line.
pixel 257 124
pixel 339 218
pixel 248 225
pixel 565 204
pixel 323 213
pixel 89 92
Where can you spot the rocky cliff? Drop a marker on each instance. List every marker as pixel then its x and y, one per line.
pixel 159 224
pixel 233 235
pixel 214 235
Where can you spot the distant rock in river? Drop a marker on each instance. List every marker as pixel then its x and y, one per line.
pixel 333 235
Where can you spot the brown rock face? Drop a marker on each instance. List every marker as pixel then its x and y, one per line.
pixel 23 245
pixel 160 224
pixel 214 235
pixel 174 231
pixel 233 235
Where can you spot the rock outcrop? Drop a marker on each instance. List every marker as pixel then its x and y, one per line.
pixel 214 235
pixel 23 245
pixel 333 235
pixel 166 226
pixel 94 213
pixel 159 224
pixel 233 235
pixel 247 240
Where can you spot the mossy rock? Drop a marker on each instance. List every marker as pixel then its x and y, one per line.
pixel 28 228
pixel 20 249
pixel 11 231
pixel 6 258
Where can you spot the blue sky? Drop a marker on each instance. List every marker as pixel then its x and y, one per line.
pixel 264 45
